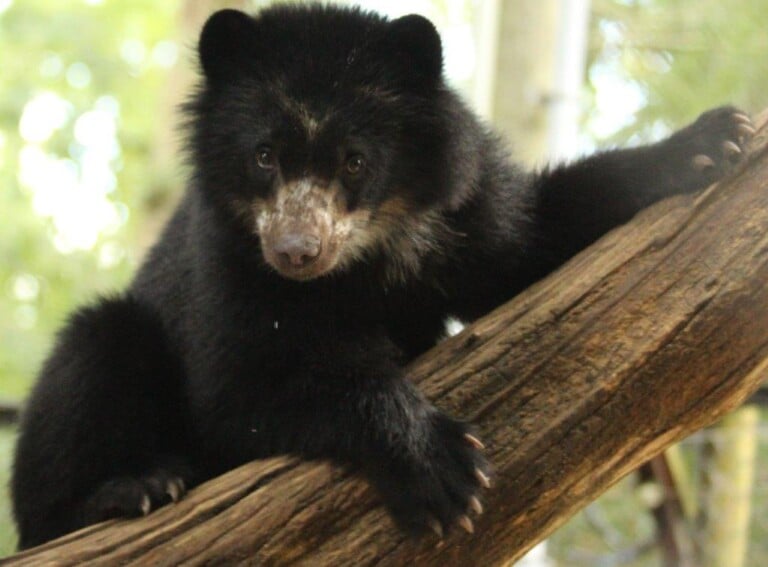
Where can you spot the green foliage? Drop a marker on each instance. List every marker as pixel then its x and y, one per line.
pixel 7 532
pixel 88 55
pixel 681 57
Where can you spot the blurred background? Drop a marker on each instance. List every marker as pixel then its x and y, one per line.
pixel 89 170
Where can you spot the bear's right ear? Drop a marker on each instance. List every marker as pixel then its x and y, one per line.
pixel 227 43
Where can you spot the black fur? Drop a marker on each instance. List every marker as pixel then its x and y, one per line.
pixel 211 358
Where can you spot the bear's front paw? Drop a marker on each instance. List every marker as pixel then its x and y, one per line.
pixel 440 489
pixel 712 145
pixel 128 497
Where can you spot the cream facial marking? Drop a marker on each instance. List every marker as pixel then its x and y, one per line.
pixel 298 109
pixel 399 235
pixel 306 232
pixel 302 228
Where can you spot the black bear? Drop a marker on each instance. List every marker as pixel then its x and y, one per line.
pixel 343 203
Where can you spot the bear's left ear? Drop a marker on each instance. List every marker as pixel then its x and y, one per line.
pixel 415 41
pixel 227 44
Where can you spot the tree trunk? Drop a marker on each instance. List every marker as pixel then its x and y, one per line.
pixel 521 83
pixel 653 332
pixel 729 473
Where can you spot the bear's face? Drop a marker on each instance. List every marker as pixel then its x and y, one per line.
pixel 318 190
pixel 319 129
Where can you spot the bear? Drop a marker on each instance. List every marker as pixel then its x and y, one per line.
pixel 343 202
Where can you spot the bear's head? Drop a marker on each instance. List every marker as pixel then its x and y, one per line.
pixel 329 133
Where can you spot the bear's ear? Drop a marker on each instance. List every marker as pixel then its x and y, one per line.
pixel 416 41
pixel 227 43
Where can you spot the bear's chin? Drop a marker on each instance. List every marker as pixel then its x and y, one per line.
pixel 301 275
pixel 321 267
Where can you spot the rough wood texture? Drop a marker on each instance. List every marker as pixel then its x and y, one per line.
pixel 655 331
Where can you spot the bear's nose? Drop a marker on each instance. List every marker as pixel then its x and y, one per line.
pixel 297 250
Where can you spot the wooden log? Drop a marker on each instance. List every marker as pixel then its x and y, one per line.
pixel 655 331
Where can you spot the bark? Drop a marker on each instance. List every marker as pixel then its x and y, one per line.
pixel 653 332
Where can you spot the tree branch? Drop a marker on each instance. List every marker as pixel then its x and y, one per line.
pixel 653 332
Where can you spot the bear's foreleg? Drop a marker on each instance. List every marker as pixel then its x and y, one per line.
pixel 102 433
pixel 577 203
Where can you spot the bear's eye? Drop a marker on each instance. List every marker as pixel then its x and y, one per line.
pixel 355 164
pixel 265 158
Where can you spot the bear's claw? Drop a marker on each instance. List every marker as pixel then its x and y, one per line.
pixel 483 478
pixel 474 441
pixel 475 505
pixel 467 524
